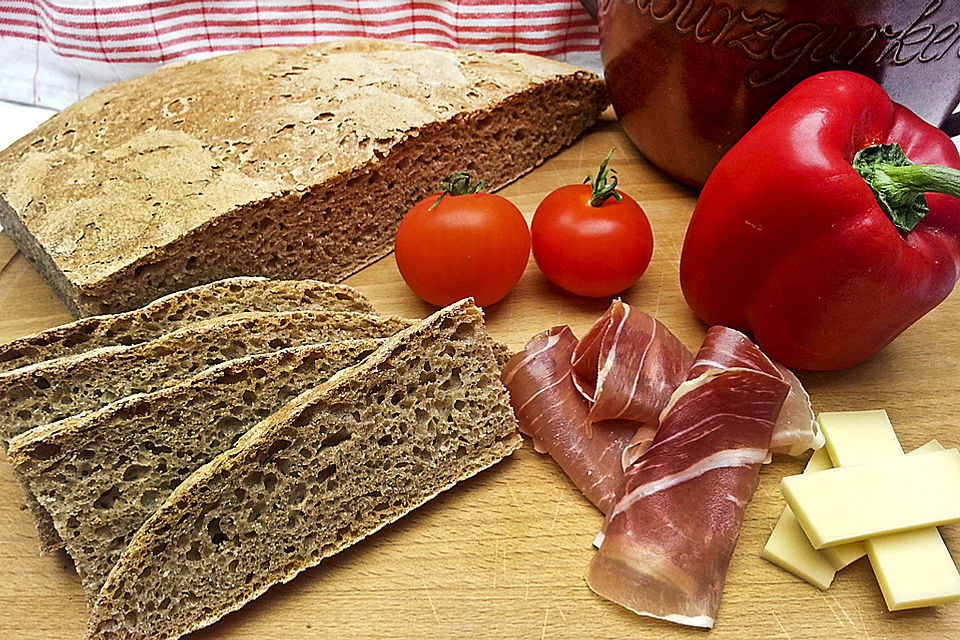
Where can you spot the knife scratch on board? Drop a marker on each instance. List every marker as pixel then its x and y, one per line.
pixel 830 606
pixel 783 629
pixel 863 624
pixel 560 611
pixel 656 304
pixel 432 606
pixel 843 611
pixel 503 564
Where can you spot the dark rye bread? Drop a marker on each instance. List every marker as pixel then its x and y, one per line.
pixel 102 476
pixel 180 309
pixel 285 162
pixel 422 413
pixel 56 389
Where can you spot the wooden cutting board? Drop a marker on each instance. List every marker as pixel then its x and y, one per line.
pixel 502 555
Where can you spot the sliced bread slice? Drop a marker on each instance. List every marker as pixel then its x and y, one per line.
pixel 181 309
pixel 47 536
pixel 422 413
pixel 103 475
pixel 54 389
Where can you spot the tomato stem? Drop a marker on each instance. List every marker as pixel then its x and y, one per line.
pixel 604 186
pixel 458 184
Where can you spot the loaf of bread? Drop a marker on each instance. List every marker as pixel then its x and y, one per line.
pixel 423 412
pixel 55 389
pixel 101 477
pixel 288 163
pixel 180 309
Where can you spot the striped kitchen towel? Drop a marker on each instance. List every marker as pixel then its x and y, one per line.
pixel 54 52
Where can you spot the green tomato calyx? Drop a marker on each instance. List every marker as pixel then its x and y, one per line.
pixel 604 186
pixel 459 184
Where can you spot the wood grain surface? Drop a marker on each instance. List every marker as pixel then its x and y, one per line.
pixel 502 556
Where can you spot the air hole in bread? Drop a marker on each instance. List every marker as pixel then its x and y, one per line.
pixel 453 380
pixel 107 498
pixel 233 377
pixel 217 537
pixel 465 331
pixel 227 423
pixel 253 479
pixel 269 482
pixel 338 437
pixel 45 451
pixel 298 494
pixel 135 472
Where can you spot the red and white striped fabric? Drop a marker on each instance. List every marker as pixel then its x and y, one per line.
pixel 53 52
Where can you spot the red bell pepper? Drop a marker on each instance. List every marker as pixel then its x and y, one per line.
pixel 822 262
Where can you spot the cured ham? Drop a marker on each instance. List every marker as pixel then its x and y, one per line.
pixel 690 433
pixel 628 365
pixel 555 415
pixel 724 348
pixel 796 429
pixel 669 537
pixel 594 405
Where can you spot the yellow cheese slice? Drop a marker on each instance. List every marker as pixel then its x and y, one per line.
pixel 788 546
pixel 868 432
pixel 914 568
pixel 789 549
pixel 859 437
pixel 866 500
pixel 843 555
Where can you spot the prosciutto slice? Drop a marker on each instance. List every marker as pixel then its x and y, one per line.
pixel 669 537
pixel 628 365
pixel 796 429
pixel 726 348
pixel 555 415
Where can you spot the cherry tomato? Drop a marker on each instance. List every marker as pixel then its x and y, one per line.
pixel 592 250
pixel 466 244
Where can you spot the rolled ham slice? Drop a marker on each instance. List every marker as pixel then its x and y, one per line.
pixel 726 348
pixel 796 429
pixel 669 537
pixel 628 364
pixel 555 415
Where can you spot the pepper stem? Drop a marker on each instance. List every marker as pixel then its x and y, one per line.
pixel 458 184
pixel 604 185
pixel 899 185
